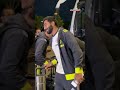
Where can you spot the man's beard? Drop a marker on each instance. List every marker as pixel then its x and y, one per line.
pixel 49 29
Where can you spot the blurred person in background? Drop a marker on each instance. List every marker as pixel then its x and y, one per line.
pixel 16 38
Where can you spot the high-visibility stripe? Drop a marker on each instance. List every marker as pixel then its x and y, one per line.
pixel 46 62
pixel 65 30
pixel 62 45
pixel 38 71
pixel 70 76
pixel 61 42
pixel 79 70
pixel 54 61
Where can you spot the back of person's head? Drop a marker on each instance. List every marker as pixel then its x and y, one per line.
pixel 27 7
pixel 28 11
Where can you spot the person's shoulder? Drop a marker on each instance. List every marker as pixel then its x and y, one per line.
pixel 16 32
pixel 63 30
pixel 42 37
pixel 66 32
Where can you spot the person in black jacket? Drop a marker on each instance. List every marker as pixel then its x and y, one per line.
pixel 14 45
pixel 100 73
pixel 68 54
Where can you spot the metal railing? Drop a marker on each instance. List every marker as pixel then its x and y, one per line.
pixel 41 75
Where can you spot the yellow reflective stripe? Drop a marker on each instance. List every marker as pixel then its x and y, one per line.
pixel 61 42
pixel 65 30
pixel 79 70
pixel 54 61
pixel 46 62
pixel 70 76
pixel 38 70
pixel 62 45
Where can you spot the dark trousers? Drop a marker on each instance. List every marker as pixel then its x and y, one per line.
pixel 62 84
pixel 99 81
pixel 117 75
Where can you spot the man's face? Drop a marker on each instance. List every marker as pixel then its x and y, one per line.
pixel 37 32
pixel 46 24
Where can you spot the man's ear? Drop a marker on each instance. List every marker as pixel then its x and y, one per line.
pixel 53 23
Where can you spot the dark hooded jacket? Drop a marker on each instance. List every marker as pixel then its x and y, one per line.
pixel 14 45
pixel 99 63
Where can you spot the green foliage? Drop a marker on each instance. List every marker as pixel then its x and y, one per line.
pixel 38 22
pixel 59 20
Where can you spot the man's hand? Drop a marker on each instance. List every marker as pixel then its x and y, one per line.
pixel 79 77
pixel 47 66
